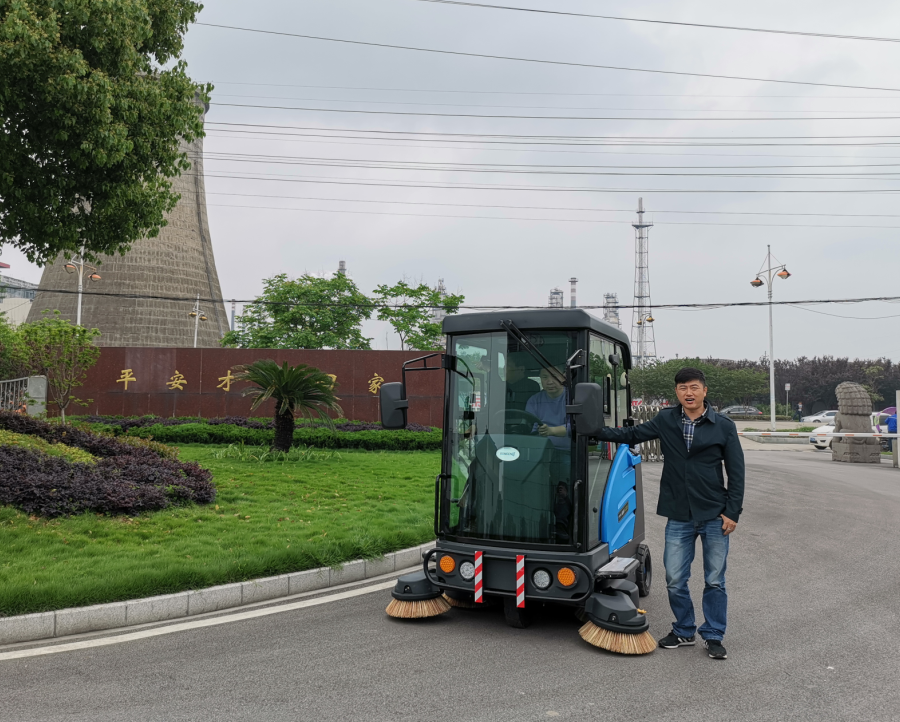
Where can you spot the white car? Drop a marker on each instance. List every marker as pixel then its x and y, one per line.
pixel 823 417
pixel 824 442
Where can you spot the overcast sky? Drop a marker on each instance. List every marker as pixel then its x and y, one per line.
pixel 513 255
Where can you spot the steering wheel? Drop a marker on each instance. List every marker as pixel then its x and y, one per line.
pixel 515 421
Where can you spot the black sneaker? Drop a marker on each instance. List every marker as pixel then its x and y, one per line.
pixel 715 649
pixel 673 641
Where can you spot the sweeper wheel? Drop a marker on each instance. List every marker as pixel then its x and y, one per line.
pixel 515 616
pixel 644 574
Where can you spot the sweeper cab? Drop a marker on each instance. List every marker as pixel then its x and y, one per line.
pixel 529 507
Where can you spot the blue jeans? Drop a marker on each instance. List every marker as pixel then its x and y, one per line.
pixel 681 538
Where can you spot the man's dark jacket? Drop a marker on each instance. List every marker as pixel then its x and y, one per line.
pixel 692 487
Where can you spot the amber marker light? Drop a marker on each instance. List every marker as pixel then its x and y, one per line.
pixel 566 577
pixel 447 564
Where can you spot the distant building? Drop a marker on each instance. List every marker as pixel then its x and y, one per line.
pixel 16 298
pixel 611 309
pixel 556 298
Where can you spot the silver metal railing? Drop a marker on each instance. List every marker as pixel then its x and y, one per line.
pixel 24 395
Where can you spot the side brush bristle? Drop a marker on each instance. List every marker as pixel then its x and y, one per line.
pixel 417 610
pixel 617 642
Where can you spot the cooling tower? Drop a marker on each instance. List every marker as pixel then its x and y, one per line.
pixel 177 263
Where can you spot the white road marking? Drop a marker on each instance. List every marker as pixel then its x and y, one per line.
pixel 195 624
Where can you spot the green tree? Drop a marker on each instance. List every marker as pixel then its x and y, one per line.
pixel 62 352
pixel 12 355
pixel 656 381
pixel 93 101
pixel 308 312
pixel 299 390
pixel 410 311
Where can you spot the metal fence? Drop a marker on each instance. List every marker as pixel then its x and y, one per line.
pixel 25 395
pixel 650 450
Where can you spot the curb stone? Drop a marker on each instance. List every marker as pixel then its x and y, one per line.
pixel 78 620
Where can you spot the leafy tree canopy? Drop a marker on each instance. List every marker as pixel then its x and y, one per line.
pixel 656 381
pixel 61 351
pixel 12 355
pixel 90 121
pixel 308 312
pixel 410 311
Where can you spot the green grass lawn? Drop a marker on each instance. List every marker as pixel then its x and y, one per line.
pixel 268 519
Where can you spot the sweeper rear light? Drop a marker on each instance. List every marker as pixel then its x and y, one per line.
pixel 447 564
pixel 566 577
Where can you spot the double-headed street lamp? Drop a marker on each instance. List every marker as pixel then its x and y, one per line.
pixel 78 265
pixel 769 274
pixel 198 315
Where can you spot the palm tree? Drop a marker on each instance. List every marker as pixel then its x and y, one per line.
pixel 299 390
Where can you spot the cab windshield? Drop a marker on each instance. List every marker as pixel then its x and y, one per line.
pixel 511 444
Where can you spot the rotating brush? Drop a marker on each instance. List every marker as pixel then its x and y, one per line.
pixel 414 597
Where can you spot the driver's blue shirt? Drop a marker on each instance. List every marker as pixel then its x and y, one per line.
pixel 551 412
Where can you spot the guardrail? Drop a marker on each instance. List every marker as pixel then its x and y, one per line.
pixel 24 395
pixel 825 434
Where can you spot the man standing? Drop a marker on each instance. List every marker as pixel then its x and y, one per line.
pixel 696 443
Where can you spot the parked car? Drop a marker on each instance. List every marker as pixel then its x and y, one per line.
pixel 823 417
pixel 824 442
pixel 741 411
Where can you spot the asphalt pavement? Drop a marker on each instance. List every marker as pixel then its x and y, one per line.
pixel 814 587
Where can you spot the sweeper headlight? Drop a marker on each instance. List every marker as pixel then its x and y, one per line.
pixel 566 577
pixel 467 571
pixel 542 579
pixel 447 564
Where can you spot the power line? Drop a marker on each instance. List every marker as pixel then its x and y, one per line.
pixel 371 304
pixel 459 53
pixel 555 208
pixel 665 22
pixel 266 158
pixel 531 218
pixel 514 92
pixel 544 117
pixel 385 183
pixel 539 107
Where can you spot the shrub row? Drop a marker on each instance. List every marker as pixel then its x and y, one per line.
pixel 8 438
pixel 321 437
pixel 123 424
pixel 130 475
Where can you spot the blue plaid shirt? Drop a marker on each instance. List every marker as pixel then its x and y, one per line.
pixel 688 425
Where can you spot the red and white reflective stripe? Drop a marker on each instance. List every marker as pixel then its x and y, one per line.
pixel 478 577
pixel 520 580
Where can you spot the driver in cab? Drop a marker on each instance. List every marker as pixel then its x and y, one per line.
pixel 549 406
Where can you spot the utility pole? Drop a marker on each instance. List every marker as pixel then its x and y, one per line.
pixel 643 339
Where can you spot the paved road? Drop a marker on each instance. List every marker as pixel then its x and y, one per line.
pixel 814 580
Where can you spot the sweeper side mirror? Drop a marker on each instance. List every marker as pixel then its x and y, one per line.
pixel 394 406
pixel 587 409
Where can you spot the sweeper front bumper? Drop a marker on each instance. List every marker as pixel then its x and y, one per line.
pixel 505 573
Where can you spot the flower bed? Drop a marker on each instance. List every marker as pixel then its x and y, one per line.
pixel 128 477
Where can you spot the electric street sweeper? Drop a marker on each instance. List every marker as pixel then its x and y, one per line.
pixel 529 508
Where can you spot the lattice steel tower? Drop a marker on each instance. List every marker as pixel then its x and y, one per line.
pixel 643 341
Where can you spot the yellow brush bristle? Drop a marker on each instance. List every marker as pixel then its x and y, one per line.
pixel 460 603
pixel 642 643
pixel 417 610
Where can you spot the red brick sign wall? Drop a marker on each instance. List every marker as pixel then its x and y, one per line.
pixel 197 382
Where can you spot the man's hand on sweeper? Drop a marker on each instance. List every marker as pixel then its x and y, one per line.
pixel 728 526
pixel 544 430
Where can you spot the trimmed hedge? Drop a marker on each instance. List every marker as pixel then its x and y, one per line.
pixel 120 424
pixel 129 477
pixel 321 437
pixel 24 441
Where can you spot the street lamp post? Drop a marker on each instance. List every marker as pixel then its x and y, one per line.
pixel 198 315
pixel 77 265
pixel 770 272
pixel 644 318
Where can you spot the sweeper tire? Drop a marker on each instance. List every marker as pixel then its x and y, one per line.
pixel 515 617
pixel 644 574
